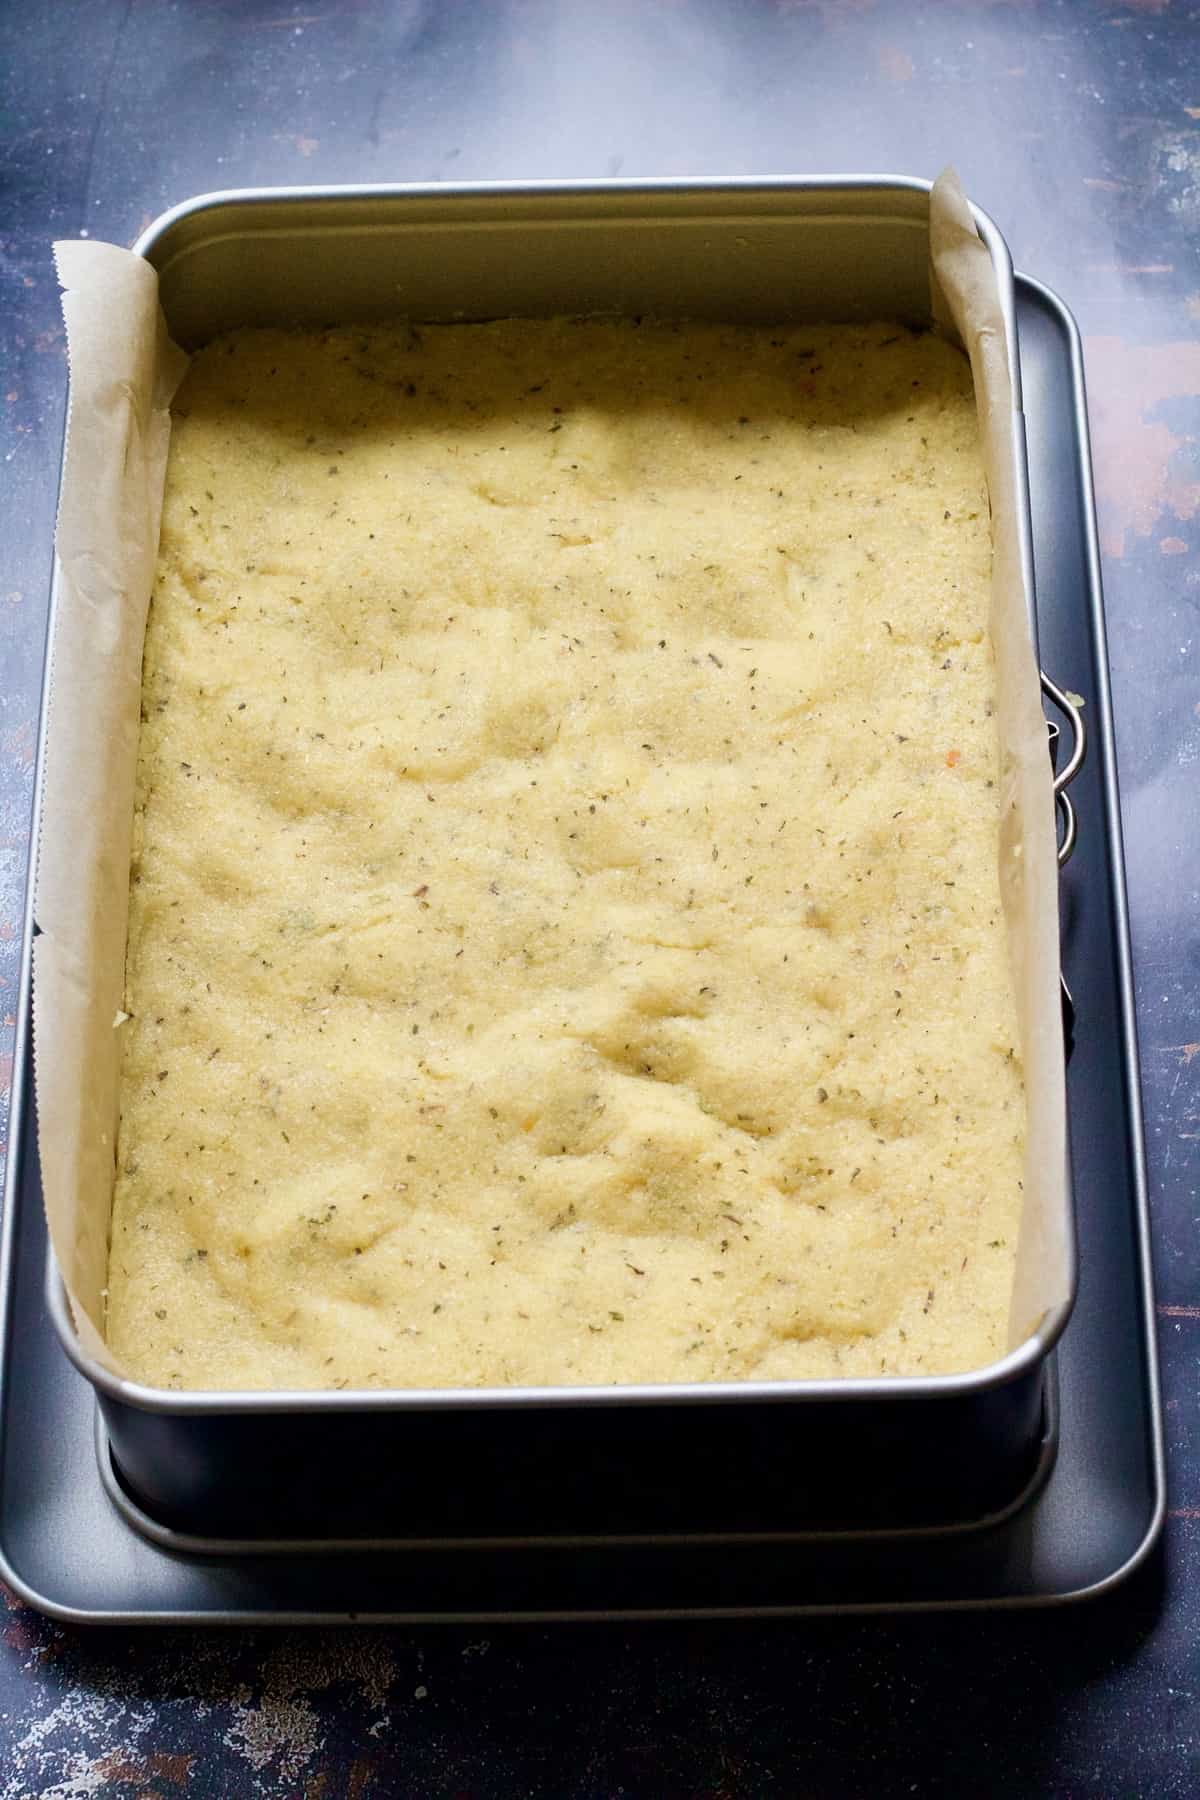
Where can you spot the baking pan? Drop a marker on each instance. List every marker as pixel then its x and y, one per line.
pixel 857 1453
pixel 66 1549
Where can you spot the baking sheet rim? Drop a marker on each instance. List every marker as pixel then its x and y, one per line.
pixel 147 1615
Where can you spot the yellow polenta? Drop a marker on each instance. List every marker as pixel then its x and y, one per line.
pixel 565 941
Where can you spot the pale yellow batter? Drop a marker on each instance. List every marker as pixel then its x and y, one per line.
pixel 565 940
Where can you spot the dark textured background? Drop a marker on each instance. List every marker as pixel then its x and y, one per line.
pixel 1076 123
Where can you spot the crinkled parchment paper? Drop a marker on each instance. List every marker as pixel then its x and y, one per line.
pixel 964 286
pixel 124 370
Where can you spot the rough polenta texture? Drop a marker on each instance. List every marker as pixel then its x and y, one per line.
pixel 565 940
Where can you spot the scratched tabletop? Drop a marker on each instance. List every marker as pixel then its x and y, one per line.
pixel 1076 124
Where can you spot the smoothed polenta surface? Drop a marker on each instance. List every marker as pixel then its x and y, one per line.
pixel 565 939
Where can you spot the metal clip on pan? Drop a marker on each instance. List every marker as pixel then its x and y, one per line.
pixel 1062 803
pixel 1065 776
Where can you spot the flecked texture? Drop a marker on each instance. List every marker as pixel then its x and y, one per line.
pixel 565 940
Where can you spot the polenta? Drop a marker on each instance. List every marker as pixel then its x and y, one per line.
pixel 565 937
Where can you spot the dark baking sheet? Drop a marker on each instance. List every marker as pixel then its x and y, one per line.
pixel 67 1549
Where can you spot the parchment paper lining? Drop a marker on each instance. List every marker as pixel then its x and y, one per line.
pixel 124 370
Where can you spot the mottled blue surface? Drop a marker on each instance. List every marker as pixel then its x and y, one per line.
pixel 1077 125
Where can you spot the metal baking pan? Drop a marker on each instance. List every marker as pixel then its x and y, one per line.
pixel 68 1550
pixel 856 1454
